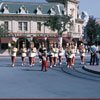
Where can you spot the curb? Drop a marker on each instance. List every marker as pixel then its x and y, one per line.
pixel 90 70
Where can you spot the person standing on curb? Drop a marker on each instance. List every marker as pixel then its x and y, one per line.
pixel 93 54
pixel 97 57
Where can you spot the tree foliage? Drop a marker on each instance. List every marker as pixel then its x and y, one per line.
pixel 92 29
pixel 3 30
pixel 59 23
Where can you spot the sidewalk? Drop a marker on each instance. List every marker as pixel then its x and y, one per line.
pixel 93 69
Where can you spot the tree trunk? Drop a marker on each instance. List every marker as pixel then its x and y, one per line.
pixel 60 40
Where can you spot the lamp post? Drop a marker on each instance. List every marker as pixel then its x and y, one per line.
pixel 45 41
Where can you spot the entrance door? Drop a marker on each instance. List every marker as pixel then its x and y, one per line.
pixel 20 41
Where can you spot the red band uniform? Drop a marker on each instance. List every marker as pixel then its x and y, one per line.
pixel 32 54
pixel 43 52
pixel 13 55
pixel 51 56
pixel 55 51
pixel 24 51
pixel 60 53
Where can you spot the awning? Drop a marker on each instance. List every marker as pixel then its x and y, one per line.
pixel 5 39
pixel 83 41
pixel 53 40
pixel 67 40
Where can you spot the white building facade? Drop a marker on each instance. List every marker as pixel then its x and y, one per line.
pixel 24 20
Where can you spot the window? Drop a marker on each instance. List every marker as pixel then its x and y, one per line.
pixel 20 26
pixel 25 26
pixel 6 25
pixel 39 26
pixel 78 28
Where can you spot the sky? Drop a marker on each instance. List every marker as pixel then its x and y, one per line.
pixel 92 7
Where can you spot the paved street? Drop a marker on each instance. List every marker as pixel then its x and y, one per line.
pixel 58 82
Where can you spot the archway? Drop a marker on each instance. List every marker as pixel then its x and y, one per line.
pixel 20 41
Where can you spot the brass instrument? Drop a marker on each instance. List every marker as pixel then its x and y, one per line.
pixel 33 50
pixel 11 45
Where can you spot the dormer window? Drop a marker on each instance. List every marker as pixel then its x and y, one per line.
pixel 5 10
pixel 22 10
pixel 52 11
pixel 38 11
pixel 72 11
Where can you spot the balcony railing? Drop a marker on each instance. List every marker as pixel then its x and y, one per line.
pixel 76 35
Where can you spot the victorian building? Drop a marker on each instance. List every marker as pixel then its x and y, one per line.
pixel 24 21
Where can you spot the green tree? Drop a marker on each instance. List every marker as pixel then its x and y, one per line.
pixel 59 23
pixel 3 30
pixel 92 29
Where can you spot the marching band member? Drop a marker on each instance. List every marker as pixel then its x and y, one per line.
pixel 55 51
pixel 32 54
pixel 66 51
pixel 51 55
pixel 82 53
pixel 73 53
pixel 43 51
pixel 39 53
pixel 60 53
pixel 13 55
pixel 69 58
pixel 23 51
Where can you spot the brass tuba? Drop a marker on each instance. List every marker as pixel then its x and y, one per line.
pixel 11 45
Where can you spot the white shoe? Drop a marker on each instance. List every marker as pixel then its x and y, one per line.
pixel 82 62
pixel 13 65
pixel 68 66
pixel 54 65
pixel 32 64
pixel 60 63
pixel 40 61
pixel 50 66
pixel 73 64
pixel 22 64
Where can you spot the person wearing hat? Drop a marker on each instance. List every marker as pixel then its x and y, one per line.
pixel 23 53
pixel 73 53
pixel 51 55
pixel 66 51
pixel 55 51
pixel 69 56
pixel 82 53
pixel 39 53
pixel 13 54
pixel 32 53
pixel 43 52
pixel 60 53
